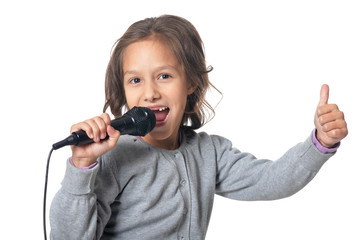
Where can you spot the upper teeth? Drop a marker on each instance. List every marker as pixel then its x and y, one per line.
pixel 162 109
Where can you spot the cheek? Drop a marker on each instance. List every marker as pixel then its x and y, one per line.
pixel 180 100
pixel 131 98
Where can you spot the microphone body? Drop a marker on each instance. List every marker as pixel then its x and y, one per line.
pixel 138 121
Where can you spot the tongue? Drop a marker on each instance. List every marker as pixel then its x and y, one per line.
pixel 160 116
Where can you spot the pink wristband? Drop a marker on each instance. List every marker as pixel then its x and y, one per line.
pixel 89 167
pixel 321 148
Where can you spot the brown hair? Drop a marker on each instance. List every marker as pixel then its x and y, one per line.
pixel 185 42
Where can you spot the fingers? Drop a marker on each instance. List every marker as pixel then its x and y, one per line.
pixel 327 109
pixel 330 117
pixel 324 94
pixel 333 125
pixel 332 121
pixel 96 128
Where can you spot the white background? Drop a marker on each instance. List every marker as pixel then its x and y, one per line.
pixel 270 59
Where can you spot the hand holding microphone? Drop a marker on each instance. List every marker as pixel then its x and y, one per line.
pixel 97 129
pixel 138 121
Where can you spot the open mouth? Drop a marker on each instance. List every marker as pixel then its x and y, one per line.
pixel 161 114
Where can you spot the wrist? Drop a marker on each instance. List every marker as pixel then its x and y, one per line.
pixel 83 163
pixel 321 147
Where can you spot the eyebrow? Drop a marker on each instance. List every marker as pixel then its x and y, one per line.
pixel 132 72
pixel 160 68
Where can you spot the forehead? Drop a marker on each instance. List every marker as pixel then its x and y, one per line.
pixel 147 51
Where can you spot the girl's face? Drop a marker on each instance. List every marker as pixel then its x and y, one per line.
pixel 154 78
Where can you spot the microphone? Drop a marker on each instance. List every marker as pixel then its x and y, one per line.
pixel 137 122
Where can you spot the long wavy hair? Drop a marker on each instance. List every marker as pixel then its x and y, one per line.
pixel 186 44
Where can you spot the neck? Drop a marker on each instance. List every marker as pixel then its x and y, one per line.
pixel 171 143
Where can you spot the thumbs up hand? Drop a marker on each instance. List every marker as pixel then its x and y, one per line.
pixel 329 121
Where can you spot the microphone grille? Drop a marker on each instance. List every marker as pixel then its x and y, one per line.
pixel 144 120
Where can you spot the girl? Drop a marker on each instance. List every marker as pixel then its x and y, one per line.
pixel 162 186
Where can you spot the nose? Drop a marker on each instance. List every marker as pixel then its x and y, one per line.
pixel 151 92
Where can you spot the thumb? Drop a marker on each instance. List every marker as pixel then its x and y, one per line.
pixel 324 94
pixel 113 135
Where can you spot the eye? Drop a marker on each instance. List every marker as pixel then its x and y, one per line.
pixel 135 80
pixel 164 76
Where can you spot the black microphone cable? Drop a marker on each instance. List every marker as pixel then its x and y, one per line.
pixel 45 191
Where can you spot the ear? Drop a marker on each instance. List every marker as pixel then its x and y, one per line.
pixel 191 89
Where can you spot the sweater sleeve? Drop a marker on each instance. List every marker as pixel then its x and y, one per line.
pixel 243 177
pixel 81 208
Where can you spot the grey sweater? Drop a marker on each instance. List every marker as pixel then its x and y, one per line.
pixel 138 191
